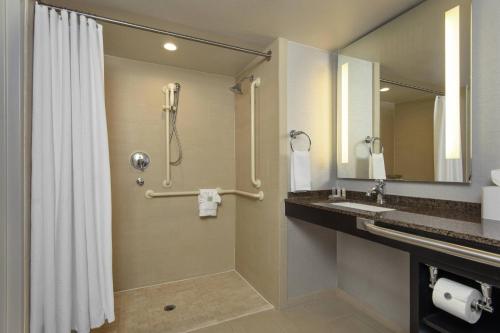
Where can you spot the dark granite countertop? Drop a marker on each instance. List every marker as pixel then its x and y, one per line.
pixel 455 220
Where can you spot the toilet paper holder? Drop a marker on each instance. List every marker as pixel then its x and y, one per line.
pixel 486 303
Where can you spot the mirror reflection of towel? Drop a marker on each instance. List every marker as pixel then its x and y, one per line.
pixel 377 166
pixel 300 171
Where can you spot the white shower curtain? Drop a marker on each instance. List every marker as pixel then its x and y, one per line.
pixel 71 269
pixel 445 170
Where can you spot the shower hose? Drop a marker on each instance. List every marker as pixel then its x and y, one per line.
pixel 174 135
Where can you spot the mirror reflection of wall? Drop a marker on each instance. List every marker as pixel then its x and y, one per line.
pixel 415 91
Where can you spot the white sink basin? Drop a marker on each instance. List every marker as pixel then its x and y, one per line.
pixel 369 208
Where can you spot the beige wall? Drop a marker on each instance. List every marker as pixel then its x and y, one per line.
pixel 258 223
pixel 414 140
pixel 311 249
pixel 158 240
pixel 376 275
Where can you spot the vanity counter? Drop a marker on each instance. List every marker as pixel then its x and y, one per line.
pixel 450 221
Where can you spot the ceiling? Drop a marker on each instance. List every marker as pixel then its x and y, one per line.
pixel 325 24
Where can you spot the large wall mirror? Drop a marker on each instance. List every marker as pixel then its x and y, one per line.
pixel 403 94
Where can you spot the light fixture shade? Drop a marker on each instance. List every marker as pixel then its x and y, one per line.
pixel 169 46
pixel 344 113
pixel 452 84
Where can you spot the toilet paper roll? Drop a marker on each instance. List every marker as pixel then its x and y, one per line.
pixel 456 299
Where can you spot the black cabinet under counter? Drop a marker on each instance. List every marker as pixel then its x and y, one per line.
pixel 426 317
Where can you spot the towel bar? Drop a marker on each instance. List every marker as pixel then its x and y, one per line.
pixel 371 141
pixel 464 252
pixel 150 194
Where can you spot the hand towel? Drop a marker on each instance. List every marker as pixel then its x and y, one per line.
pixel 377 166
pixel 208 201
pixel 300 171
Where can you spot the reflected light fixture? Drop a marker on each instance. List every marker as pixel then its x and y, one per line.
pixel 169 46
pixel 384 89
pixel 452 84
pixel 344 113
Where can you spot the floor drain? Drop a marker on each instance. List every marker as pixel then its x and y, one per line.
pixel 169 307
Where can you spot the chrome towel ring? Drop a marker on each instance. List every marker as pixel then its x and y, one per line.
pixel 293 136
pixel 370 140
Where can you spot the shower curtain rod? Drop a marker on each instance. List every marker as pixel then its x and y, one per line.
pixel 406 85
pixel 266 55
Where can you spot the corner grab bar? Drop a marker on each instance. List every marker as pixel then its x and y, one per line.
pixel 464 252
pixel 150 194
pixel 255 182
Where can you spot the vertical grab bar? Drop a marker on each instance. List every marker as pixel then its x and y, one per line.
pixel 167 182
pixel 255 182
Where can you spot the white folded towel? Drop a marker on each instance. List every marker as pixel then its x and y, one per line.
pixel 377 166
pixel 208 201
pixel 300 171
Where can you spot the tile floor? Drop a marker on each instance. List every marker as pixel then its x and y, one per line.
pixel 326 314
pixel 226 303
pixel 200 302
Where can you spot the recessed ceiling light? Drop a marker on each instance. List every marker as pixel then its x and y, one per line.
pixel 170 46
pixel 384 89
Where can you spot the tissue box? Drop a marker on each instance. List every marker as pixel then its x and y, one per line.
pixel 491 203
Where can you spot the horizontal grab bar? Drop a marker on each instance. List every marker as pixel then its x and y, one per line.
pixel 464 252
pixel 150 194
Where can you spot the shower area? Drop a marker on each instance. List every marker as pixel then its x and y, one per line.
pixel 200 117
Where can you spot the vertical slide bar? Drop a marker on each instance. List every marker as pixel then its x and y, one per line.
pixel 167 182
pixel 255 182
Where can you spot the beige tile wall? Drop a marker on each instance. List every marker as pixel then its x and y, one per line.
pixel 158 240
pixel 258 223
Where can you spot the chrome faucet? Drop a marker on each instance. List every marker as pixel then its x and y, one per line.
pixel 379 190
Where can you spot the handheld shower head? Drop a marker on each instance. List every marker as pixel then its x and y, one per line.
pixel 172 90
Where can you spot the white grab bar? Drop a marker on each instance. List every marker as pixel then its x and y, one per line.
pixel 255 182
pixel 464 252
pixel 167 182
pixel 150 194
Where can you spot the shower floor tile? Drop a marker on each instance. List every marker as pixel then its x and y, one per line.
pixel 199 302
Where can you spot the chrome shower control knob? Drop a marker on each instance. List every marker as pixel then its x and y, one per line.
pixel 140 160
pixel 140 181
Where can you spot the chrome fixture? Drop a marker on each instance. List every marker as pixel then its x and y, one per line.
pixel 433 272
pixel 140 181
pixel 486 302
pixel 237 87
pixel 266 55
pixel 140 160
pixel 293 135
pixel 172 92
pixel 370 140
pixel 379 190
